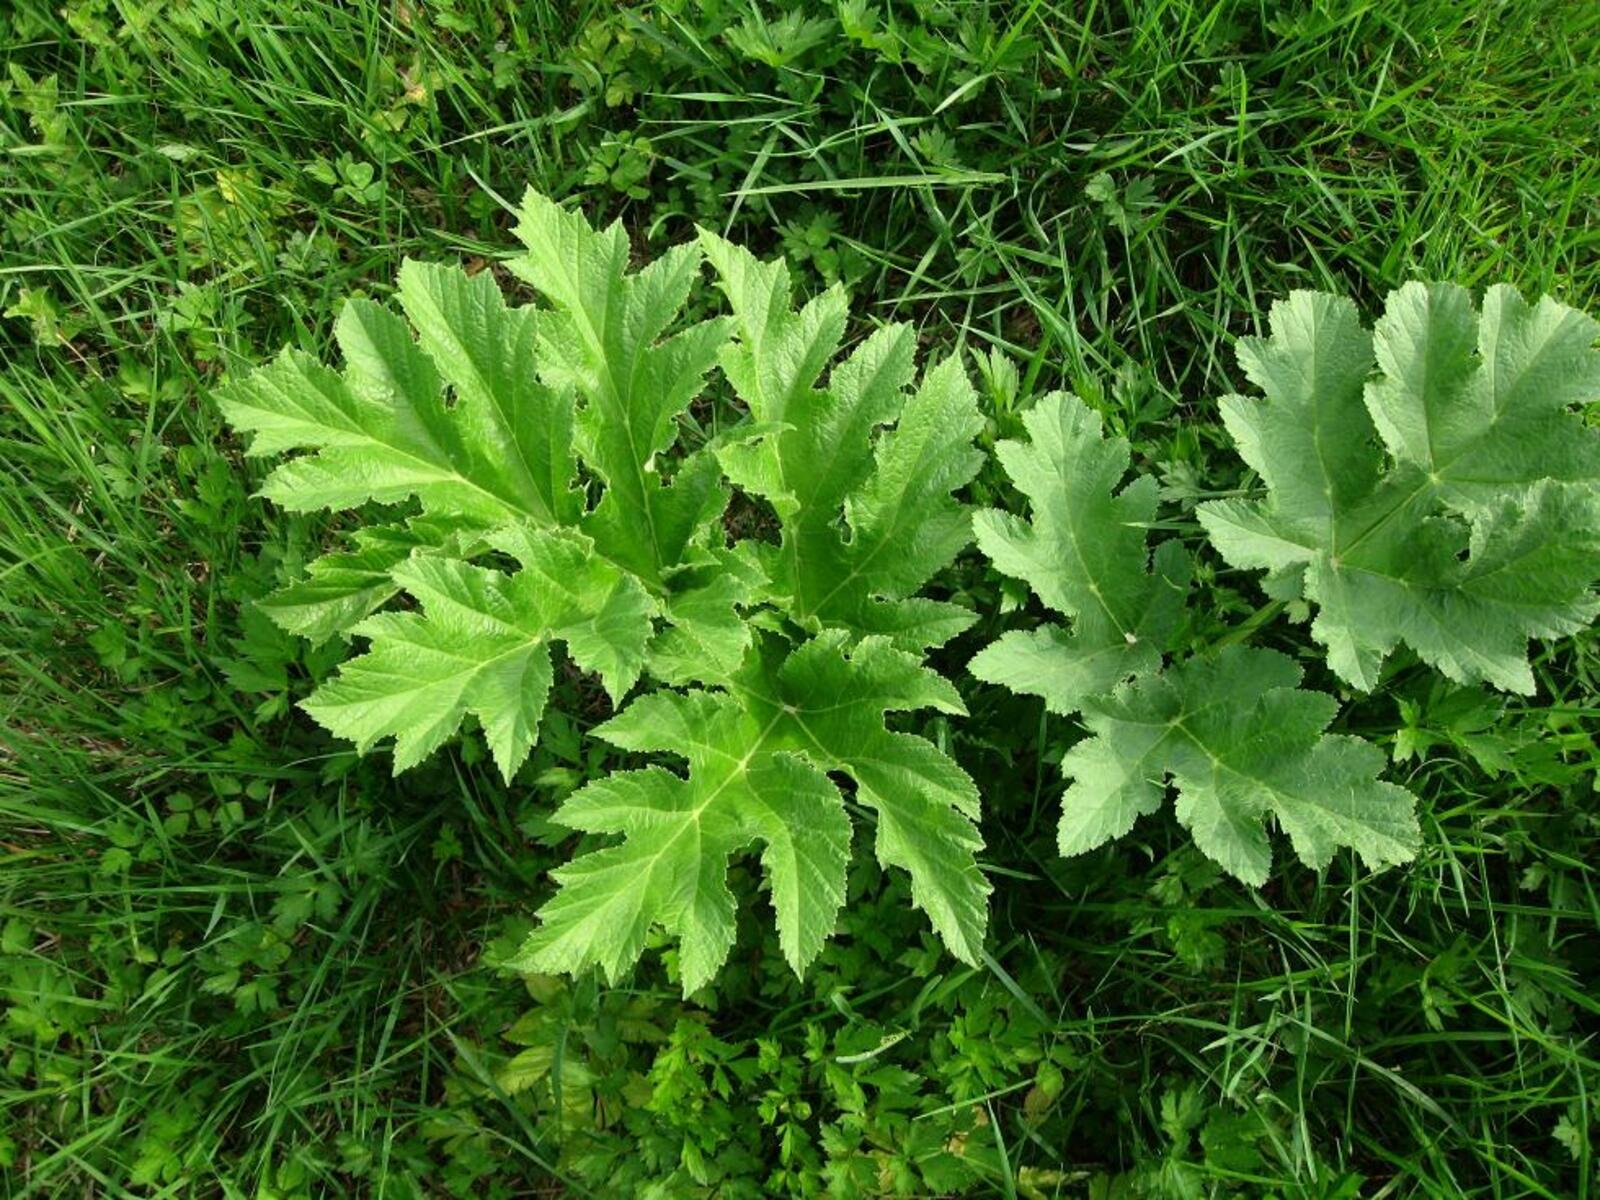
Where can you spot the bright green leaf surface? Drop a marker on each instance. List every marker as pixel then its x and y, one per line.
pixel 1240 741
pixel 759 756
pixel 1083 553
pixel 481 645
pixel 1483 529
pixel 605 338
pixel 341 588
pixel 383 431
pixel 824 455
pixel 1234 733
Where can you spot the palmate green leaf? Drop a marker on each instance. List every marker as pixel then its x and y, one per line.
pixel 383 430
pixel 759 756
pixel 1479 531
pixel 1240 741
pixel 821 457
pixel 546 436
pixel 481 645
pixel 1083 553
pixel 605 338
pixel 1235 734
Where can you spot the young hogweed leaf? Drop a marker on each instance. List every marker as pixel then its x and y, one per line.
pixel 759 756
pixel 383 430
pixel 500 423
pixel 1083 553
pixel 605 338
pixel 1481 405
pixel 866 518
pixel 1241 741
pixel 1234 733
pixel 819 455
pixel 1482 528
pixel 481 645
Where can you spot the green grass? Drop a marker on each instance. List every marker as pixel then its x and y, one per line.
pixel 235 961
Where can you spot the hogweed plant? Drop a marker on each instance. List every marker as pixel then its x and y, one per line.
pixel 1234 732
pixel 1447 504
pixel 771 665
pixel 1450 502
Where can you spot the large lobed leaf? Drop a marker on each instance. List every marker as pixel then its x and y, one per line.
pixel 1480 527
pixel 1240 741
pixel 1083 553
pixel 820 457
pixel 480 413
pixel 481 645
pixel 759 754
pixel 605 336
pixel 384 430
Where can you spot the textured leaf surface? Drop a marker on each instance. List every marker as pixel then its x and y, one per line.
pixel 707 634
pixel 1240 742
pixel 1235 734
pixel 824 456
pixel 1083 553
pixel 758 756
pixel 1479 531
pixel 605 338
pixel 481 645
pixel 383 430
pixel 471 408
pixel 341 588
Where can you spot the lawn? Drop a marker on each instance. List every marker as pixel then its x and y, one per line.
pixel 238 959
